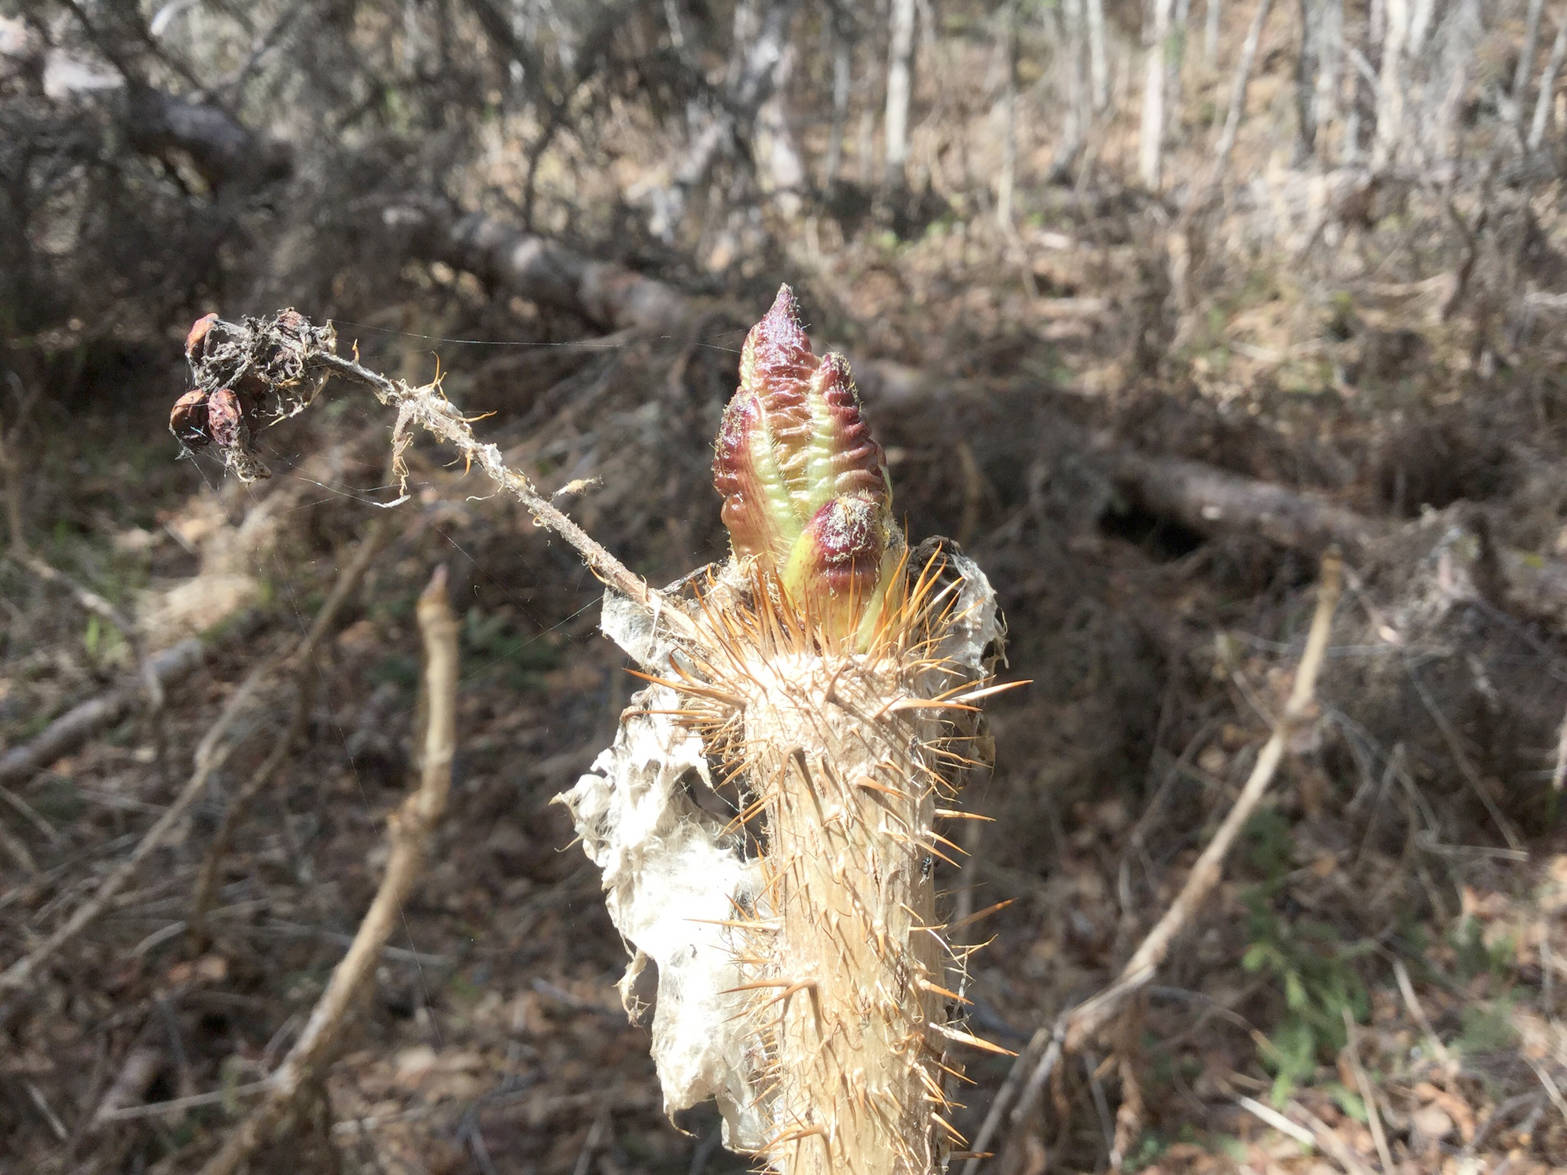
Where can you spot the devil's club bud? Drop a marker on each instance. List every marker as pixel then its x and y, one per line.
pixel 805 487
pixel 803 973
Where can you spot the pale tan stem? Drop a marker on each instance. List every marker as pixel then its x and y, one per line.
pixel 851 1002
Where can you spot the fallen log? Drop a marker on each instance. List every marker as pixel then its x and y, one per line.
pixel 522 263
pixel 1213 502
pixel 81 722
pixel 537 268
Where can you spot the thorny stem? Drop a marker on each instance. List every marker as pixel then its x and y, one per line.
pixel 432 411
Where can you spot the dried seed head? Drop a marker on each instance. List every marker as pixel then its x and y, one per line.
pixel 805 486
pixel 188 419
pixel 197 336
pixel 225 418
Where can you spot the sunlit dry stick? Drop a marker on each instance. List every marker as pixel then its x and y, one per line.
pixel 1076 1026
pixel 410 828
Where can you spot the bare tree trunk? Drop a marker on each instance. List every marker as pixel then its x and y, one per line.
pixel 1531 37
pixel 1210 32
pixel 1316 74
pixel 1542 104
pixel 1008 177
pixel 842 76
pixel 1150 155
pixel 413 36
pixel 867 147
pixel 1363 81
pixel 677 31
pixel 1175 59
pixel 1098 65
pixel 1420 26
pixel 1462 31
pixel 1390 86
pixel 1238 87
pixel 900 87
pixel 1078 37
pixel 1307 63
pixel 784 171
pixel 1328 71
pixel 1065 27
pixel 759 45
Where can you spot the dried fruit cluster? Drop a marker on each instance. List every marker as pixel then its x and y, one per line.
pixel 247 376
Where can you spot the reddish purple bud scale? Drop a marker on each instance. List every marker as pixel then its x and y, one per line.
pixel 843 545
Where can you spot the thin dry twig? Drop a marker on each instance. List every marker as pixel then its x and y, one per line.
pixel 180 1105
pixel 409 830
pixel 1316 1135
pixel 1145 961
pixel 1548 1083
pixel 1077 1025
pixel 209 757
pixel 432 411
pixel 303 657
pixel 1367 1094
pixel 18 850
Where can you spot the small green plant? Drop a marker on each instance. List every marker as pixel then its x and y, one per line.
pixel 499 651
pixel 1475 956
pixel 1314 969
pixel 1308 961
pixel 1488 1027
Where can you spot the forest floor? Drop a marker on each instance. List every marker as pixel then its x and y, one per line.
pixel 1376 984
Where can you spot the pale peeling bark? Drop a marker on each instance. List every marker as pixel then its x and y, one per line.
pixel 1390 88
pixel 900 89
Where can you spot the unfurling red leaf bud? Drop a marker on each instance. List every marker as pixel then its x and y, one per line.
pixel 835 570
pixel 805 487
